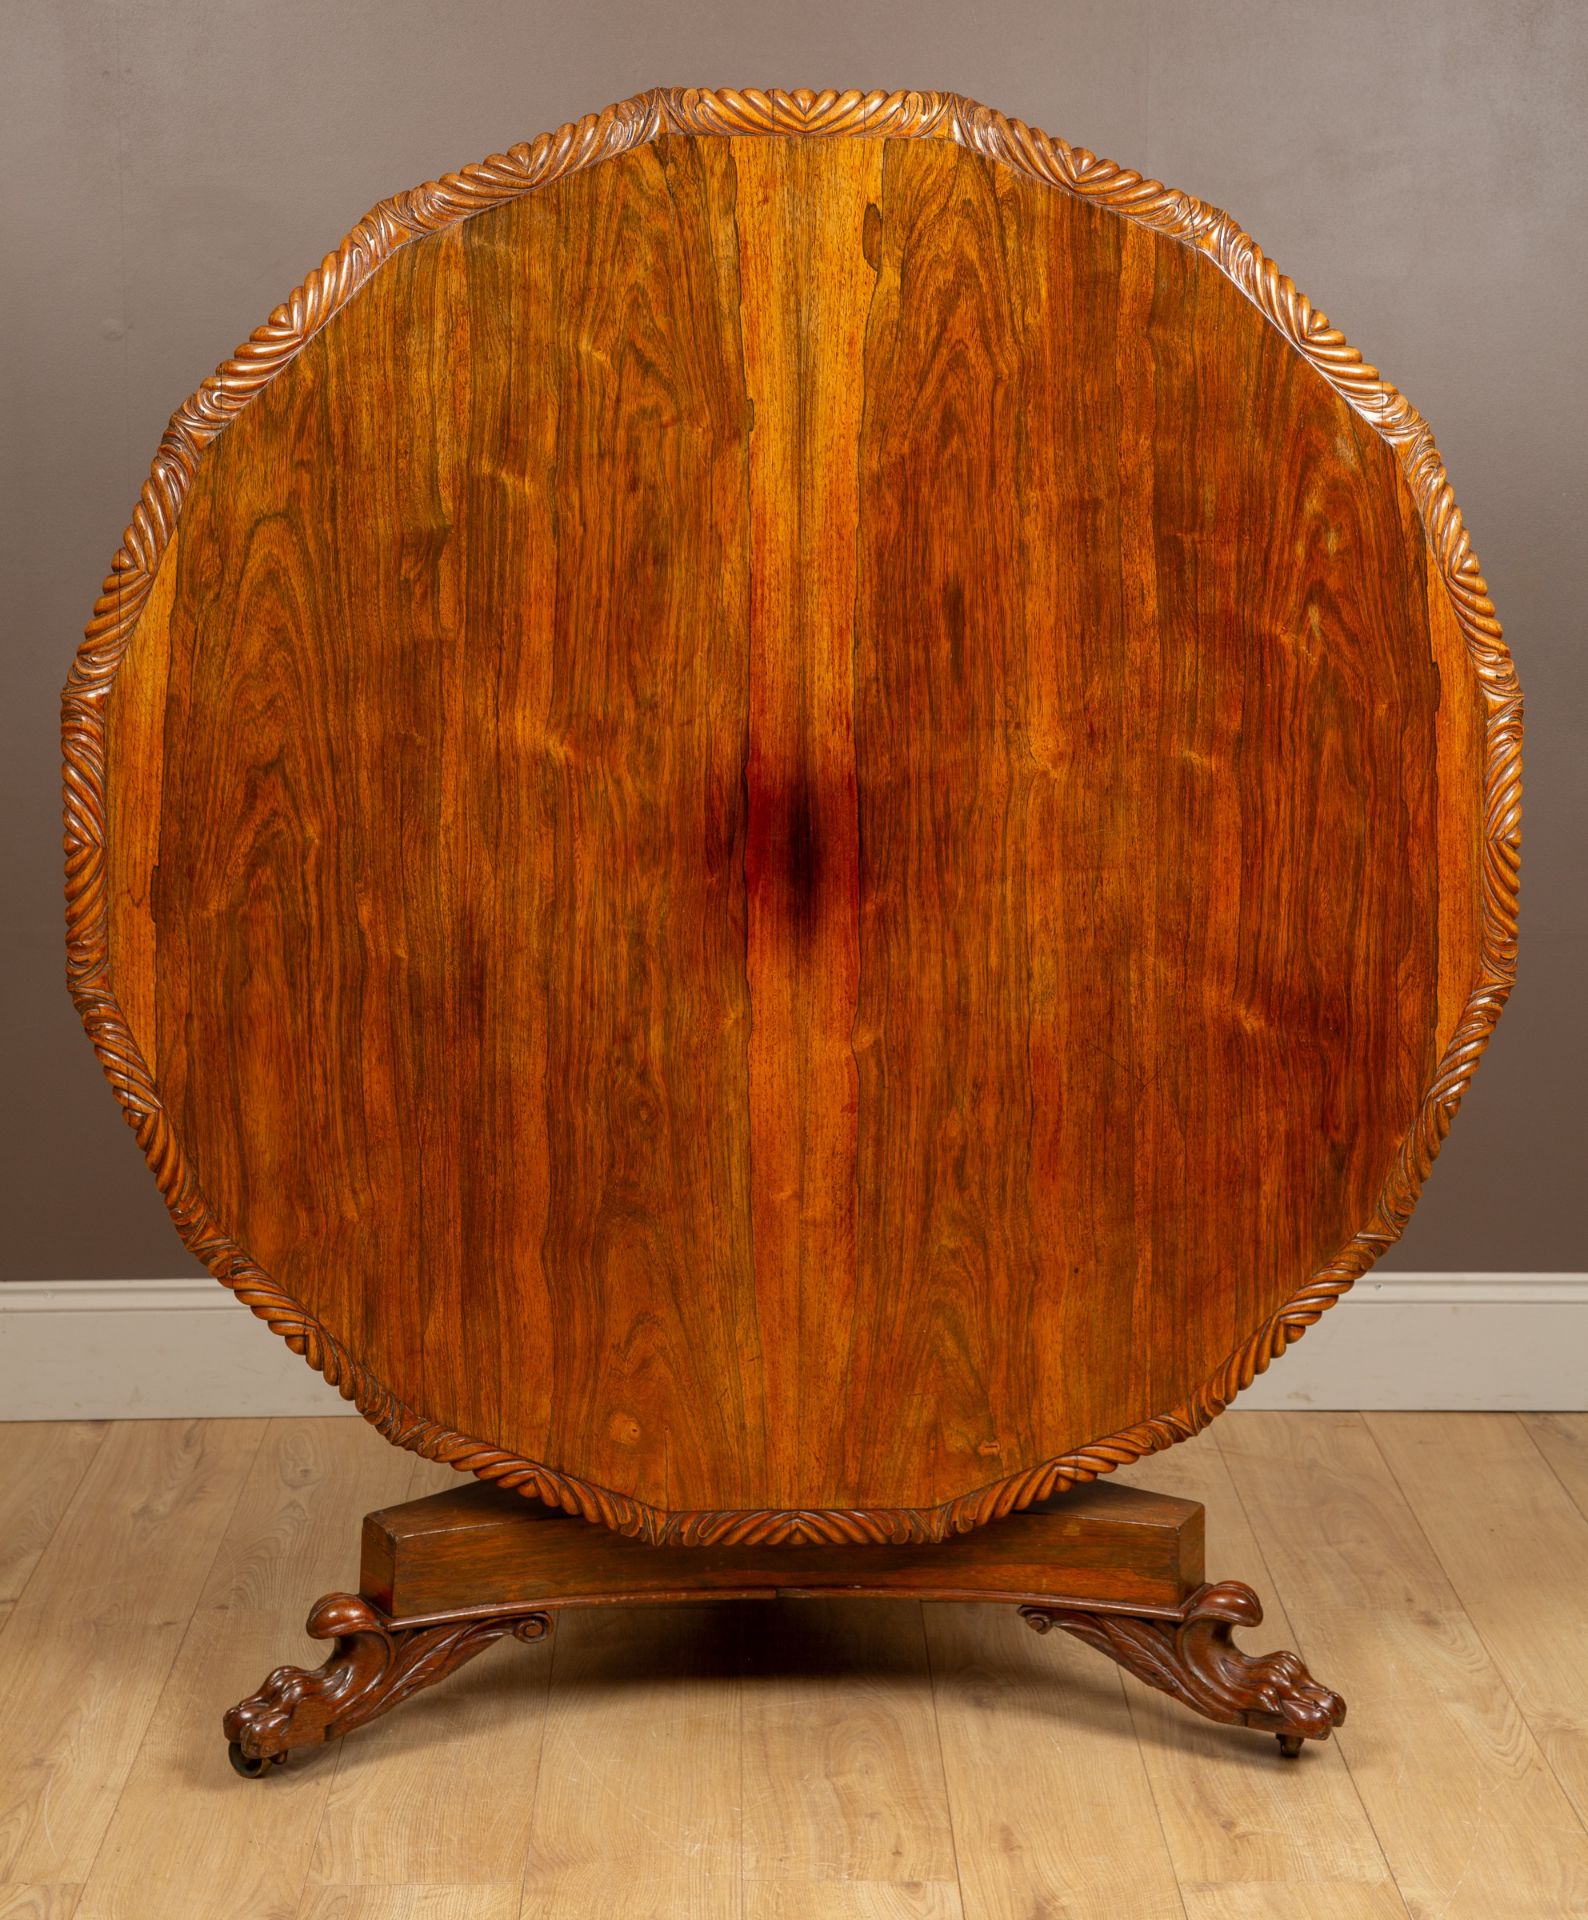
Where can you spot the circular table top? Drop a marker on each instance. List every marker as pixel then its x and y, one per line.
pixel 793 815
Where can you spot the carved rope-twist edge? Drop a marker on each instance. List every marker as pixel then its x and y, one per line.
pixel 523 169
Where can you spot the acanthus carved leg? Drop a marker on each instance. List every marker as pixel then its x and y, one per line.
pixel 1196 1660
pixel 372 1668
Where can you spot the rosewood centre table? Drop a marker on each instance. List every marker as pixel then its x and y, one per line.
pixel 791 819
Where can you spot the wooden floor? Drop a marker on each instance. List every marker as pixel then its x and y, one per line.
pixel 801 1761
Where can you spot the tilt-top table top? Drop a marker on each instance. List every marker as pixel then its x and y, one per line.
pixel 792 816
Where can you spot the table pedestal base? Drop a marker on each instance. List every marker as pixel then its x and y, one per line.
pixel 442 1578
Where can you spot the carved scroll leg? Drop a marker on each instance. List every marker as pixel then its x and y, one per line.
pixel 372 1668
pixel 1196 1660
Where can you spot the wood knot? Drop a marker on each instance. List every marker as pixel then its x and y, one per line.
pixel 871 236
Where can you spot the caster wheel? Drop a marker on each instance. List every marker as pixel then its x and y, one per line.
pixel 1289 1745
pixel 248 1765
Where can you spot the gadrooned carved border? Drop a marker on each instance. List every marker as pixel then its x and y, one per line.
pixel 523 169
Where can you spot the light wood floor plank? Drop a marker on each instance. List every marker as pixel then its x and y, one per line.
pixel 412 1903
pixel 185 1824
pixel 446 1785
pixel 777 1762
pixel 1562 1438
pixel 38 1903
pixel 638 1812
pixel 1233 1811
pixel 45 1463
pixel 1515 1548
pixel 842 1776
pixel 1342 1529
pixel 1051 1807
pixel 1470 1816
pixel 630 1892
pixel 852 1900
pixel 1296 1900
pixel 90 1643
pixel 432 1476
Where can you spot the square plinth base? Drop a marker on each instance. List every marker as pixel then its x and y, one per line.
pixel 478 1549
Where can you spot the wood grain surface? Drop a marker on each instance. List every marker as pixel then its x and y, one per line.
pixel 798 826
pixel 477 1549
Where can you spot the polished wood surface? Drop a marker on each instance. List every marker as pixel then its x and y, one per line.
pixel 800 834
pixel 840 1760
pixel 478 1548
pixel 445 1577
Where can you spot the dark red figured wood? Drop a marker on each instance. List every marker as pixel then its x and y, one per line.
pixel 795 825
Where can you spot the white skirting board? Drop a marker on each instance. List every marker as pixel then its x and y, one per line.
pixel 184 1349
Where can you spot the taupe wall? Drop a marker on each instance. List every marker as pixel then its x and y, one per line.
pixel 172 167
